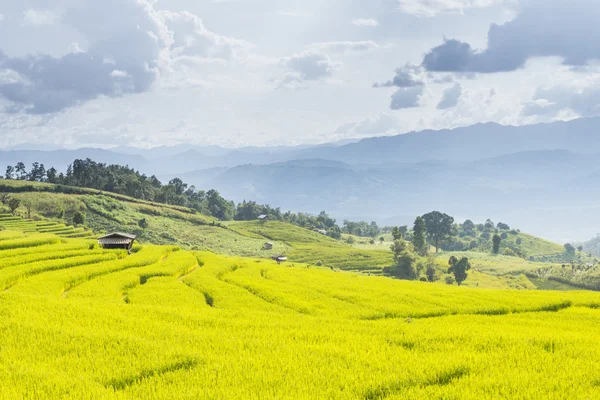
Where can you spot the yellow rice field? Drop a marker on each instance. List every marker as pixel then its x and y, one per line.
pixel 77 322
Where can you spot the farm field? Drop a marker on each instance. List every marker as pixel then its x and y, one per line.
pixel 164 323
pixel 315 248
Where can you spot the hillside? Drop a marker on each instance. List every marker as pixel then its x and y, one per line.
pixel 165 323
pixel 172 225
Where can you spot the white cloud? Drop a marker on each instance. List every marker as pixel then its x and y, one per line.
pixel 127 39
pixel 343 47
pixel 450 97
pixel 40 17
pixel 370 22
pixel 407 97
pixel 430 8
pixel 309 66
pixel 118 74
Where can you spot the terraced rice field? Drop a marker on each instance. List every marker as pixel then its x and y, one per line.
pixel 79 322
pixel 10 222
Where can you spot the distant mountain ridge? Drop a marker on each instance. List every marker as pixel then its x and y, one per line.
pixel 542 177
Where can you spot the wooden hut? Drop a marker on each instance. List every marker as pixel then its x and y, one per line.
pixel 268 246
pixel 263 218
pixel 117 240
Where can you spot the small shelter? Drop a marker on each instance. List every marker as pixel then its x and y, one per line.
pixel 268 246
pixel 263 218
pixel 279 259
pixel 117 240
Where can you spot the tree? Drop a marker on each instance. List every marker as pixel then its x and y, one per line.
pixel 497 239
pixel 570 248
pixel 52 175
pixel 580 248
pixel 502 226
pixel 431 271
pixel 439 227
pixel 459 269
pixel 405 260
pixel 382 239
pixel 79 218
pixel 419 240
pixel 10 172
pixel 143 223
pixel 519 241
pixel 13 204
pixel 396 233
pixel 20 170
pixel 403 230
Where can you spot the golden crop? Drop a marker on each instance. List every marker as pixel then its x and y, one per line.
pixel 81 323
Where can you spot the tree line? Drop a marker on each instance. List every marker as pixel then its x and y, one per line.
pixel 129 182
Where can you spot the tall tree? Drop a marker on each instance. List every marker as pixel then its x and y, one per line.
pixel 396 233
pixel 10 172
pixel 21 171
pixel 439 227
pixel 419 237
pixel 496 243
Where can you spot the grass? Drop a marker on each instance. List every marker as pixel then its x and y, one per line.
pixel 166 323
pixel 314 248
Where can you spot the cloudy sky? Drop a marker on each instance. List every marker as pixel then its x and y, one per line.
pixel 265 72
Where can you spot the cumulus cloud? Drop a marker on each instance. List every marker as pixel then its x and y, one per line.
pixel 549 101
pixel 407 76
pixel 309 66
pixel 407 97
pixel 564 28
pixel 142 43
pixel 370 22
pixel 430 8
pixel 450 97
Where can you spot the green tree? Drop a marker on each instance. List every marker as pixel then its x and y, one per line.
pixel 396 233
pixel 419 237
pixel 580 248
pixel 570 248
pixel 431 271
pixel 405 260
pixel 143 223
pixel 439 227
pixel 10 172
pixel 459 270
pixel 21 171
pixel 382 239
pixel 79 218
pixel 497 239
pixel 13 204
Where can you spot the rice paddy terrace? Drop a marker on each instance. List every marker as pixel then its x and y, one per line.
pixel 80 322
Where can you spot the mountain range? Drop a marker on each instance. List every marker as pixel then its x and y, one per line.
pixel 539 177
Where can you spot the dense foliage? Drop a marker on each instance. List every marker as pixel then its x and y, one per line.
pixel 129 182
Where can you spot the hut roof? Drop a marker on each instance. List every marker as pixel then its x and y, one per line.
pixel 262 216
pixel 118 235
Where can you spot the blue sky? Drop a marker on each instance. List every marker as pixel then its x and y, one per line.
pixel 263 72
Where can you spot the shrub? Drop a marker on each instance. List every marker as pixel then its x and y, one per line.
pixel 79 218
pixel 450 280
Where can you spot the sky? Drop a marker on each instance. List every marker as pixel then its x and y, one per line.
pixel 78 73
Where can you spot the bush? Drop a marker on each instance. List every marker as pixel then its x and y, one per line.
pixel 450 280
pixel 78 218
pixel 350 240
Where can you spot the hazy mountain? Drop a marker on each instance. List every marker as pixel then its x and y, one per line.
pixel 527 188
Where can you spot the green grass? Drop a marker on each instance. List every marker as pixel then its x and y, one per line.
pixel 314 248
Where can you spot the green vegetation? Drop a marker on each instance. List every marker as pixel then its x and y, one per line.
pixel 312 247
